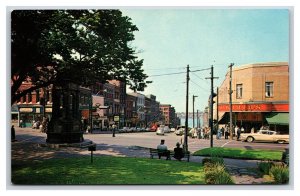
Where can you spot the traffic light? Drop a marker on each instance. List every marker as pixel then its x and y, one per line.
pixel 214 95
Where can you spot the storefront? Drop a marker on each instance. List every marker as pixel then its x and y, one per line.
pixel 29 114
pixel 249 116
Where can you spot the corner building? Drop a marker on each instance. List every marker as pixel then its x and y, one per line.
pixel 260 97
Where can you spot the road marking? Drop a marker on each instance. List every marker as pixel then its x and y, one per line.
pixel 225 143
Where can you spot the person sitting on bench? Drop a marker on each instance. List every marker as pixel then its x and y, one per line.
pixel 163 150
pixel 178 152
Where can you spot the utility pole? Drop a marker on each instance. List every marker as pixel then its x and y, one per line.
pixel 187 109
pixel 194 96
pixel 197 119
pixel 217 108
pixel 212 95
pixel 230 100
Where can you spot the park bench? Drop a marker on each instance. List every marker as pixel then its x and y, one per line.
pixel 154 152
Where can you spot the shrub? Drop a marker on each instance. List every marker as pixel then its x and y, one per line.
pixel 280 174
pixel 215 173
pixel 265 167
pixel 213 160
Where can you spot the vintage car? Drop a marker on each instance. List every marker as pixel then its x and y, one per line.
pixel 265 136
pixel 160 130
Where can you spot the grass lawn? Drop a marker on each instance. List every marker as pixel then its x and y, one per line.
pixel 239 153
pixel 107 170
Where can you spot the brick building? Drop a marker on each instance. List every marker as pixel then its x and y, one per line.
pixel 260 96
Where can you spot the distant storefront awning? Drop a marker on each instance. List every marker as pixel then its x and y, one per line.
pixel 278 118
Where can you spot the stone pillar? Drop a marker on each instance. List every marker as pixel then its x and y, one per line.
pixel 65 124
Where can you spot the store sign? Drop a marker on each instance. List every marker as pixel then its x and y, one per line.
pixel 254 107
pixel 38 110
pixel 26 109
pixel 49 110
pixel 116 118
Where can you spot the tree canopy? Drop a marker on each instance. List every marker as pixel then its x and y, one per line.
pixel 85 46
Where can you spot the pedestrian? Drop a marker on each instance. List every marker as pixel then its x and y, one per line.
pixel 235 130
pixel 226 132
pixel 163 150
pixel 219 134
pixel 242 129
pixel 178 152
pixel 13 133
pixel 114 130
pixel 252 130
pixel 21 123
pixel 238 133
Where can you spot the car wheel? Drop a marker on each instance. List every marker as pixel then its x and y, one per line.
pixel 280 141
pixel 250 139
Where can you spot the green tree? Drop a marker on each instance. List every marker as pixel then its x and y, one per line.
pixel 83 45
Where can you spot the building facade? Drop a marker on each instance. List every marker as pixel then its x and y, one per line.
pixel 260 97
pixel 169 115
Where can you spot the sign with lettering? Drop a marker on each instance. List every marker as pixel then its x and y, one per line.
pixel 265 107
pixel 26 109
pixel 116 118
pixel 49 110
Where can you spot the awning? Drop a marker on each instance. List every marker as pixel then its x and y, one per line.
pixel 278 118
pixel 224 118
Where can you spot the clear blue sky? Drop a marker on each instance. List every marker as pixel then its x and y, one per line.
pixel 172 38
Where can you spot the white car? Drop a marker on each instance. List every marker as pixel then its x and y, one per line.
pixel 167 129
pixel 124 130
pixel 265 136
pixel 160 131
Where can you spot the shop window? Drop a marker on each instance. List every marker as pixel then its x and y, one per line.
pixel 269 89
pixel 239 91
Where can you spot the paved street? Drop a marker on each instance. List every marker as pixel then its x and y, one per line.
pixel 149 140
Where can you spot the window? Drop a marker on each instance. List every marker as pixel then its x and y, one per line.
pixel 29 97
pixel 239 91
pixel 269 89
pixel 37 92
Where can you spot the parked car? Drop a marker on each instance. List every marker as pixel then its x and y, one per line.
pixel 124 130
pixel 160 131
pixel 167 129
pixel 180 130
pixel 132 129
pixel 265 136
pixel 172 129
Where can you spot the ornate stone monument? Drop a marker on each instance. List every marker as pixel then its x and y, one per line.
pixel 65 124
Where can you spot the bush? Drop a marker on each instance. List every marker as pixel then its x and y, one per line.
pixel 265 167
pixel 280 174
pixel 215 173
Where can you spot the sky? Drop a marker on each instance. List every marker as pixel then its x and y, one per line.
pixel 170 39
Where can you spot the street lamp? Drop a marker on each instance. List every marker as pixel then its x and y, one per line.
pixel 194 96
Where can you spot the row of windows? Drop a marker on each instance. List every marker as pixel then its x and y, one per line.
pixel 268 90
pixel 37 94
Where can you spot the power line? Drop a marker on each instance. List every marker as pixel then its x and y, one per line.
pixel 177 73
pixel 167 74
pixel 200 70
pixel 166 68
pixel 199 77
pixel 199 85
